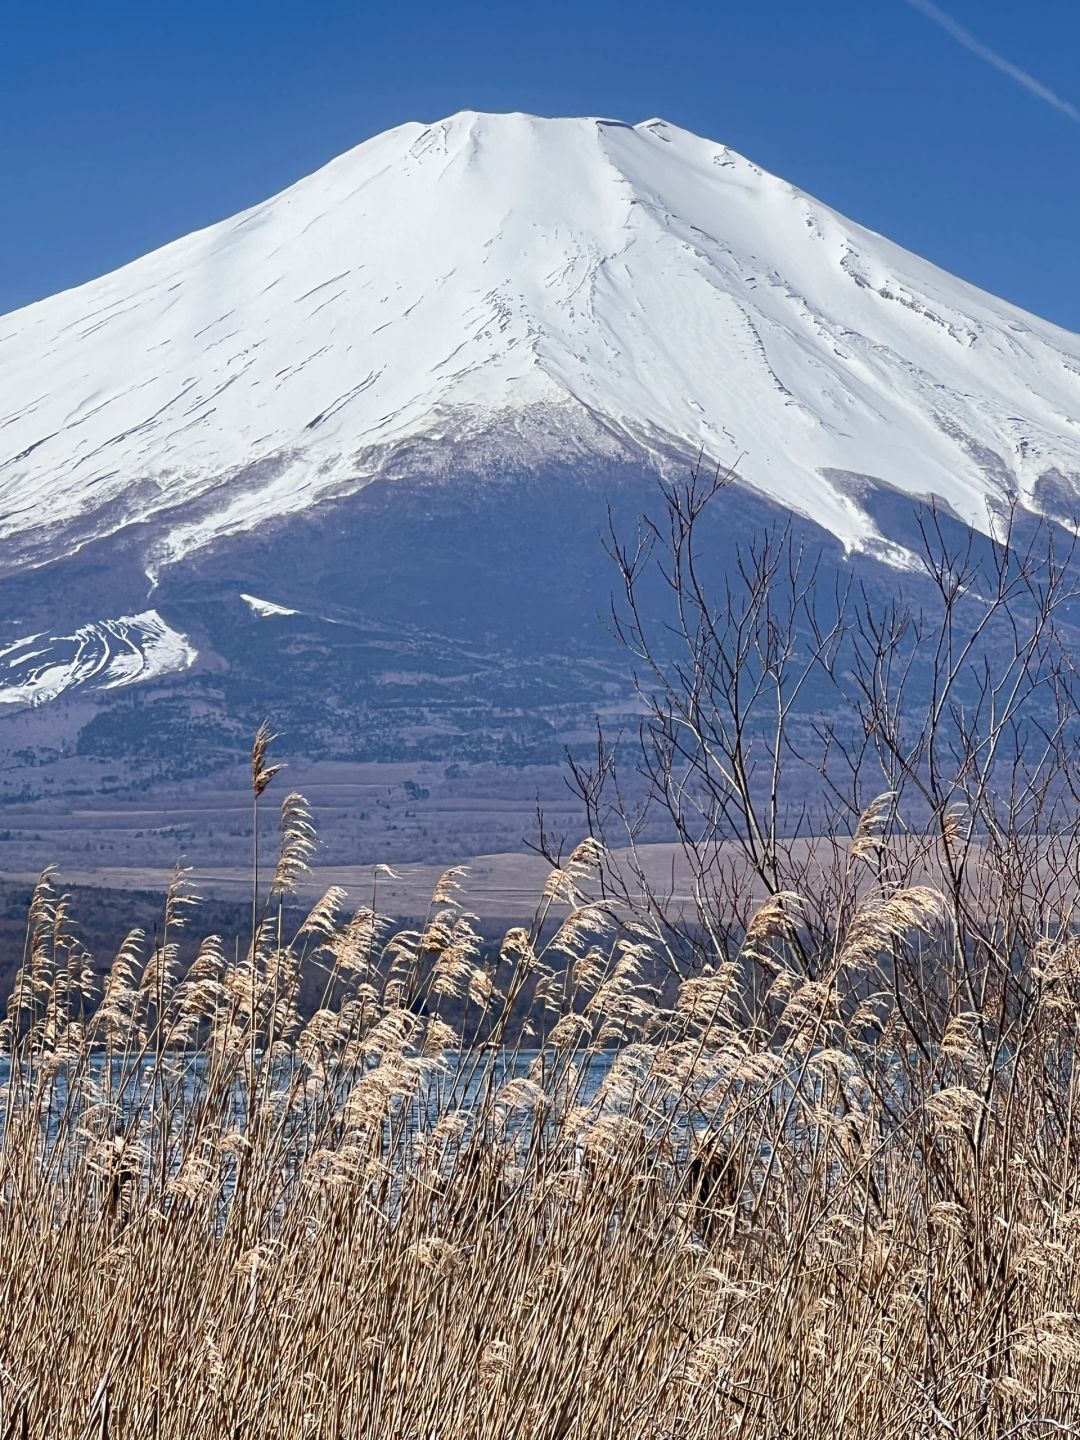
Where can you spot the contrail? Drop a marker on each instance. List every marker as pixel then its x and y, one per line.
pixel 964 37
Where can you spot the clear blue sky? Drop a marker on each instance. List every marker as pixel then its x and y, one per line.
pixel 126 123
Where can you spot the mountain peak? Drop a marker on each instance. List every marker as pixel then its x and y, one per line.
pixel 631 288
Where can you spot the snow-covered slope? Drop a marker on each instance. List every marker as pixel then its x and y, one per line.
pixel 106 655
pixel 538 289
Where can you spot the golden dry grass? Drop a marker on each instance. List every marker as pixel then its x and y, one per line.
pixel 766 1201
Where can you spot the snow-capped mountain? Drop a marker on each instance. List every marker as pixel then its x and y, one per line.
pixel 548 286
pixel 377 419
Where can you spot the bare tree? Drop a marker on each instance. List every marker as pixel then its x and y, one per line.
pixel 777 708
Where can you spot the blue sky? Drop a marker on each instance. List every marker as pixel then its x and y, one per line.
pixel 126 123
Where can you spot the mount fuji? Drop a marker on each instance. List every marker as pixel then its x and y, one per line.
pixel 342 458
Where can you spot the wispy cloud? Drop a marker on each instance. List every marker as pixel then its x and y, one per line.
pixel 964 37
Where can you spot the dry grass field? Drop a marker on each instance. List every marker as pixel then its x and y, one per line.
pixel 827 1193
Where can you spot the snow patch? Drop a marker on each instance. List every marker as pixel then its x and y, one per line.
pixel 266 608
pixel 104 654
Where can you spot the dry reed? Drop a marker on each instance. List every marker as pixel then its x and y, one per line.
pixel 760 1203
